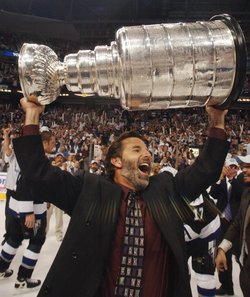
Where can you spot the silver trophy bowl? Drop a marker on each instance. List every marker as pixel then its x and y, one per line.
pixel 159 66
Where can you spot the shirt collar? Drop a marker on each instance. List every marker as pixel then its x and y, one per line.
pixel 126 191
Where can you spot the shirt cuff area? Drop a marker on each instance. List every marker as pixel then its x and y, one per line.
pixel 217 133
pixel 225 245
pixel 29 130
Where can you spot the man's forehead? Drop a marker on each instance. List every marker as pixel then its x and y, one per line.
pixel 133 141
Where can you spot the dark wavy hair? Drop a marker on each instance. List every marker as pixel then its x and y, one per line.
pixel 46 135
pixel 115 150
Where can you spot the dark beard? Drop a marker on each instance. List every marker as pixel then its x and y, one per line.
pixel 133 178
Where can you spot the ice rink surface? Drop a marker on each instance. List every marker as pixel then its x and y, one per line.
pixel 47 255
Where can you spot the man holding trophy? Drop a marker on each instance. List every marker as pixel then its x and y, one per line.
pixel 125 237
pixel 92 259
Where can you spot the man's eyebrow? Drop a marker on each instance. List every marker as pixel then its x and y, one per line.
pixel 136 146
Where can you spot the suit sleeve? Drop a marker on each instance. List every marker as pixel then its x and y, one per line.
pixel 47 183
pixel 215 190
pixel 232 235
pixel 233 232
pixel 205 171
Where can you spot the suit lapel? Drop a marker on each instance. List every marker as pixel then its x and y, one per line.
pixel 109 206
pixel 245 203
pixel 111 195
pixel 167 221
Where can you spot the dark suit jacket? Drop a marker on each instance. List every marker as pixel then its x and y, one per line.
pixel 219 192
pixel 235 231
pixel 93 203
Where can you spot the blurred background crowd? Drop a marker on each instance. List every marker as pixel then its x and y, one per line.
pixel 174 137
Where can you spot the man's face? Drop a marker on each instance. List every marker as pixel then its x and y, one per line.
pixel 135 163
pixel 246 172
pixel 59 159
pixel 49 145
pixel 94 167
pixel 234 169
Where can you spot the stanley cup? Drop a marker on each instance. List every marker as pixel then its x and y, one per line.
pixel 159 66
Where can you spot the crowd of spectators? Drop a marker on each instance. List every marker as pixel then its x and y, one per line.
pixel 174 137
pixel 13 42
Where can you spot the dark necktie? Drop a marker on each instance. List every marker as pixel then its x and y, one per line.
pixel 227 211
pixel 129 280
